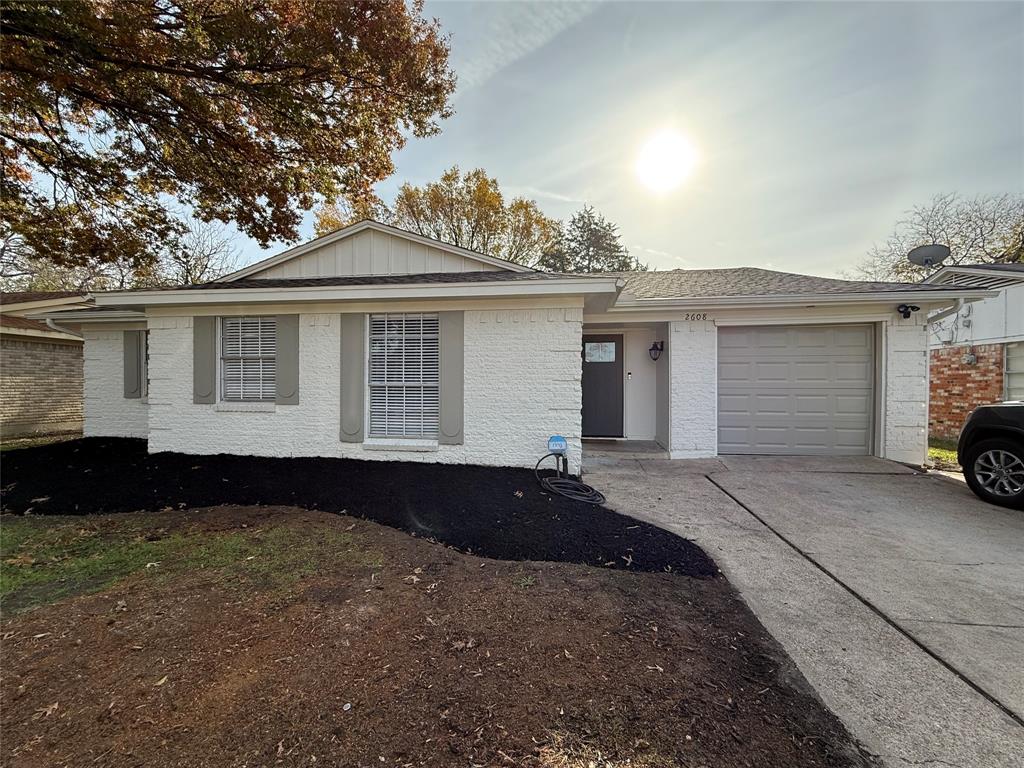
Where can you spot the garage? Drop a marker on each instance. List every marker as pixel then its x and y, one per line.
pixel 796 390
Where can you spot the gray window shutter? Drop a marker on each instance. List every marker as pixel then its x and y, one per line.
pixel 204 359
pixel 353 377
pixel 287 360
pixel 452 331
pixel 134 352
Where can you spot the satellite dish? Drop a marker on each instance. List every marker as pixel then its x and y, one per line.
pixel 928 256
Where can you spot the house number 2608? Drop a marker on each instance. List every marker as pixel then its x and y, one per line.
pixel 695 316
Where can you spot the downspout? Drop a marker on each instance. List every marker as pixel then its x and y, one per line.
pixel 59 329
pixel 947 312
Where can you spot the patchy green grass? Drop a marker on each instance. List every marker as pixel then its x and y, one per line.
pixel 13 443
pixel 43 560
pixel 525 582
pixel 942 452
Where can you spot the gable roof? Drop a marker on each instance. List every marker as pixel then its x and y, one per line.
pixel 370 224
pixel 751 281
pixel 978 275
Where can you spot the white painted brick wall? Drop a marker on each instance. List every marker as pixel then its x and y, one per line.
pixel 906 390
pixel 108 413
pixel 694 400
pixel 522 384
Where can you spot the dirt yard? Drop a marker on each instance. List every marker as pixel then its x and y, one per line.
pixel 296 635
pixel 278 635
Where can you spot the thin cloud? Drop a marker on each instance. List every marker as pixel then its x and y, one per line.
pixel 515 31
pixel 545 194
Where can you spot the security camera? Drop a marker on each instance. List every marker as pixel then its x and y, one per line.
pixel 906 309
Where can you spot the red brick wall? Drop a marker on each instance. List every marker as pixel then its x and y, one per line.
pixel 957 387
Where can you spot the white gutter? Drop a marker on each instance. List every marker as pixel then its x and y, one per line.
pixel 947 312
pixel 54 327
pixel 89 316
pixel 378 292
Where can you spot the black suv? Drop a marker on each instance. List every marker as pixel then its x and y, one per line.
pixel 991 452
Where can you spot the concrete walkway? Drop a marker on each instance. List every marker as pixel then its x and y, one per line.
pixel 900 596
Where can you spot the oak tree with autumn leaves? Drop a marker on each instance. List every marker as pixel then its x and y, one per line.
pixel 469 210
pixel 464 209
pixel 243 111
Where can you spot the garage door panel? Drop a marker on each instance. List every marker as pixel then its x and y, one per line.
pixel 812 373
pixel 858 337
pixel 812 338
pixel 770 372
pixel 853 405
pixel 796 390
pixel 772 405
pixel 810 405
pixel 734 372
pixel 853 372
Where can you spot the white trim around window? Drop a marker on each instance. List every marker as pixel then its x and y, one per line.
pixel 403 377
pixel 247 349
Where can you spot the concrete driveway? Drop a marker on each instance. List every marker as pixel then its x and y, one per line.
pixel 899 595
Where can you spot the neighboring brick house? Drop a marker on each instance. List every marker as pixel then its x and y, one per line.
pixel 40 367
pixel 977 353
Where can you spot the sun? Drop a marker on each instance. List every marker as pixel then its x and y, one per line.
pixel 665 161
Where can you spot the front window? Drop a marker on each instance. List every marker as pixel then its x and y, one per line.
pixel 247 362
pixel 404 375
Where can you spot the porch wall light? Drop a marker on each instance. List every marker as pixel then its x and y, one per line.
pixel 656 349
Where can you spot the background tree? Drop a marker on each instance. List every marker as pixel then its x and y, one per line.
pixel 589 243
pixel 204 253
pixel 342 213
pixel 464 209
pixel 245 111
pixel 980 230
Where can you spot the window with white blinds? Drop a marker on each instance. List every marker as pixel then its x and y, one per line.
pixel 404 375
pixel 248 366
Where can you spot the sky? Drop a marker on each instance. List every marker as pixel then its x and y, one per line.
pixel 816 125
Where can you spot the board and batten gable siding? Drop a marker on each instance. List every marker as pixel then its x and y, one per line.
pixel 522 373
pixel 371 252
pixel 108 413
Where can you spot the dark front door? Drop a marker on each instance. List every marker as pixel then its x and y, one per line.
pixel 602 386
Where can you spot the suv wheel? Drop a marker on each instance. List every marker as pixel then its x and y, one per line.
pixel 994 470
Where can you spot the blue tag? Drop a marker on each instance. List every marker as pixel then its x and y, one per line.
pixel 557 444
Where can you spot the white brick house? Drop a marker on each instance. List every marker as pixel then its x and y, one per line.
pixel 376 343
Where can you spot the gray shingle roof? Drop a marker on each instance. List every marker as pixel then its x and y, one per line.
pixel 433 277
pixel 748 281
pixel 23 297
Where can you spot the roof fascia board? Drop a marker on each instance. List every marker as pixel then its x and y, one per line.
pixel 39 334
pixel 27 306
pixel 803 300
pixel 358 227
pixel 378 292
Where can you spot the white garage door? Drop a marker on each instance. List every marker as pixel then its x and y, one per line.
pixel 798 390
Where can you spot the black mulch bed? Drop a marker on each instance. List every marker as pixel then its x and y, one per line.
pixel 493 512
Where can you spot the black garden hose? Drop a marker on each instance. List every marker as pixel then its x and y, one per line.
pixel 566 486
